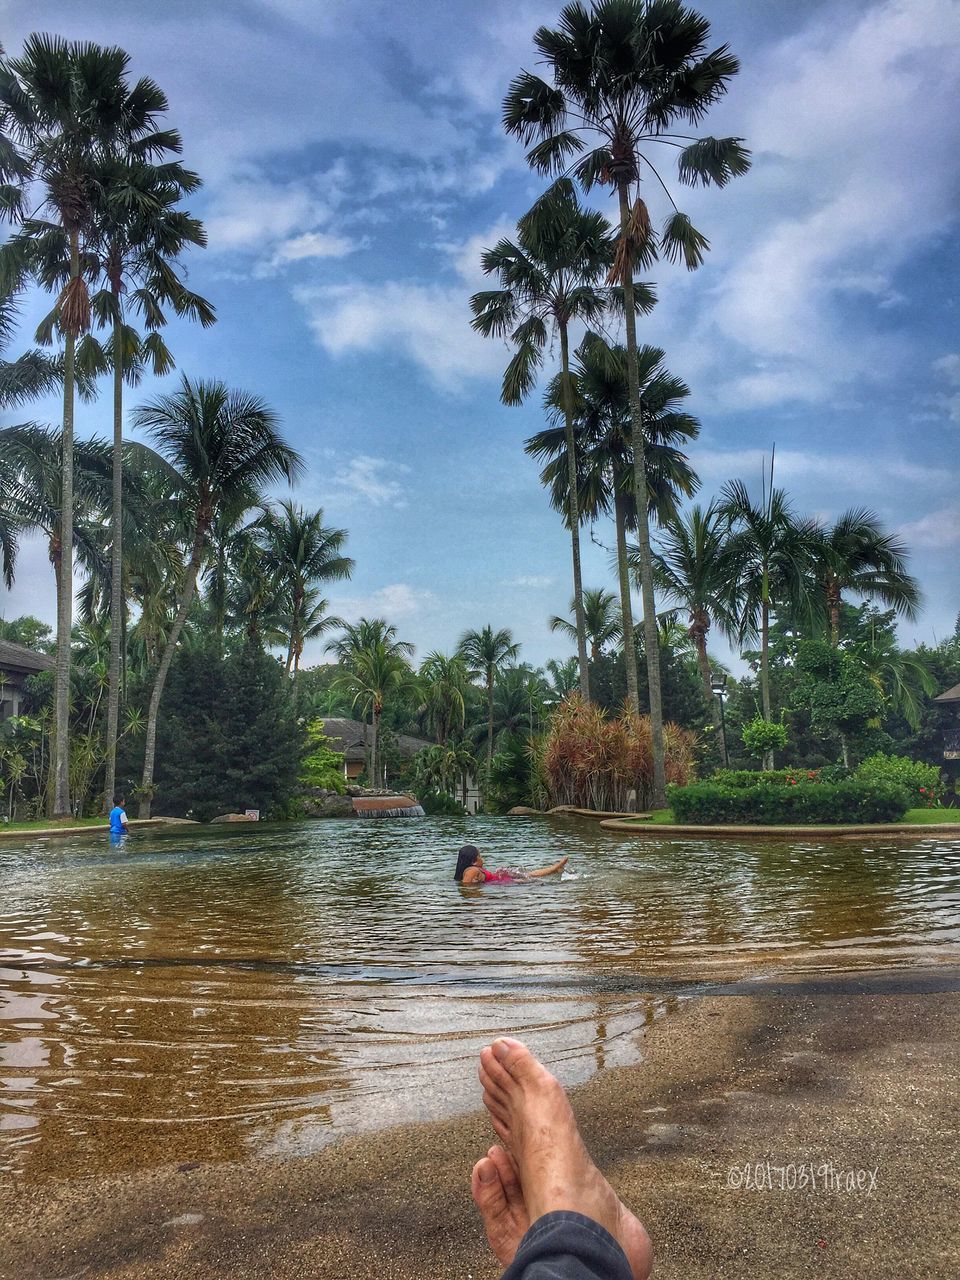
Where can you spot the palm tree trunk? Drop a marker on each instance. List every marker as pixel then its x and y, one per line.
pixel 573 512
pixel 186 599
pixel 61 758
pixel 658 798
pixel 698 633
pixel 489 719
pixel 626 605
pixel 116 571
pixel 765 661
pixel 373 747
pixel 833 605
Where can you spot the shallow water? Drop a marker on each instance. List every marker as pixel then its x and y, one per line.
pixel 228 993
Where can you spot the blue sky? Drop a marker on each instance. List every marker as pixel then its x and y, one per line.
pixel 354 168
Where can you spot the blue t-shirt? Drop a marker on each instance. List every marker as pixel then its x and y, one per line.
pixel 117 821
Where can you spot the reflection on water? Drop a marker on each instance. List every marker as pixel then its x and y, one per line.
pixel 215 995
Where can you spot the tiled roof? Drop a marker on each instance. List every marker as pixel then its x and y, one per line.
pixel 348 737
pixel 952 695
pixel 18 657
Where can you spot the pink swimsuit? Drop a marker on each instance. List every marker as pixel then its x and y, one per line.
pixel 497 877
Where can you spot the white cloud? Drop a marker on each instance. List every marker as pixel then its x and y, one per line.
pixel 936 531
pixel 394 602
pixel 531 580
pixel 374 480
pixel 794 466
pixel 949 402
pixel 854 131
pixel 428 323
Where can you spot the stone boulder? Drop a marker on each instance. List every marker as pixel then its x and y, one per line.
pixel 233 817
pixel 319 803
pixel 523 811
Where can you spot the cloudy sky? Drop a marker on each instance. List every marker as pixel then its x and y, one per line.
pixel 354 168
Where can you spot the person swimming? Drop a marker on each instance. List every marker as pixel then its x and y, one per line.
pixel 470 870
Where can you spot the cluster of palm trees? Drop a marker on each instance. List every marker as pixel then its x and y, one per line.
pixel 624 79
pixel 91 180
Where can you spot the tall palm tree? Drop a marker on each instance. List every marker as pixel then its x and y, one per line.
pixel 301 552
pixel 692 568
pixel 377 667
pixel 550 278
pixel 66 106
pixel 486 652
pixel 446 680
pixel 771 554
pixel 605 458
pixel 563 679
pixel 222 444
pixel 623 74
pixel 855 554
pixel 902 677
pixel 601 618
pixel 141 234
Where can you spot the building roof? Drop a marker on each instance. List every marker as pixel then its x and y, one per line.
pixel 952 695
pixel 350 737
pixel 17 657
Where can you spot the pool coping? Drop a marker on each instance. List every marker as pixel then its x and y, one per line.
pixel 90 828
pixel 917 829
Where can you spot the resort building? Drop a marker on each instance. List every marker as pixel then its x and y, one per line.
pixel 17 665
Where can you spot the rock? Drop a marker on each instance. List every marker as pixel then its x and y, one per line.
pixel 523 811
pixel 233 817
pixel 327 804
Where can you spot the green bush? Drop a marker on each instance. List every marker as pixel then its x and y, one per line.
pixel 739 778
pixel 854 800
pixel 921 781
pixel 761 736
pixel 439 803
pixel 322 766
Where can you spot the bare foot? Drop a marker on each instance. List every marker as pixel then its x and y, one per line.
pixel 533 1117
pixel 496 1190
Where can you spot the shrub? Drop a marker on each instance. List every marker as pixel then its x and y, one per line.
pixel 594 761
pixel 921 781
pixel 439 803
pixel 761 736
pixel 739 778
pixel 322 766
pixel 854 800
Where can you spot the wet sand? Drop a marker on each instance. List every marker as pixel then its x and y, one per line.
pixel 836 1076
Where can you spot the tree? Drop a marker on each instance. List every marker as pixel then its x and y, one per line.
pixel 486 652
pixel 377 668
pixel 564 678
pixel 227 738
pixel 549 279
pixel 605 453
pixel 771 558
pixel 692 567
pixel 301 552
pixel 601 619
pixel 141 234
pixel 840 694
pixel 445 681
pixel 67 106
pixel 854 554
pixel 221 444
pixel 623 72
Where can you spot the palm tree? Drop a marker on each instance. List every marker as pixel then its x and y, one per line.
pixel 601 619
pixel 377 668
pixel 903 678
pixel 771 558
pixel 222 444
pixel 624 72
pixel 564 679
pixel 605 458
pixel 141 236
pixel 67 106
pixel 854 554
pixel 302 552
pixel 446 681
pixel 692 567
pixel 548 279
pixel 486 652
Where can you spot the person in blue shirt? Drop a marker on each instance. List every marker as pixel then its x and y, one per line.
pixel 118 821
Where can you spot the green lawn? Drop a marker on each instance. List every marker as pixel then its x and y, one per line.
pixel 665 816
pixel 49 824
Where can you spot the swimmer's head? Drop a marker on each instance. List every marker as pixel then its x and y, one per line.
pixel 469 856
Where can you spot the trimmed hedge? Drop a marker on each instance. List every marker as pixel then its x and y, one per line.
pixel 848 801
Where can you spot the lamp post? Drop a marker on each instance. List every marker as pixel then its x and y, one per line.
pixel 718 683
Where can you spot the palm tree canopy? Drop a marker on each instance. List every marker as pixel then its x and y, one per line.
pixel 602 616
pixel 549 278
pixel 855 554
pixel 602 428
pixel 486 651
pixel 624 74
pixel 692 567
pixel 224 444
